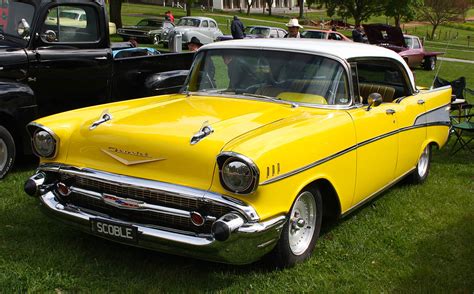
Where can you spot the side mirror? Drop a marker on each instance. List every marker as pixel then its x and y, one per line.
pixel 374 99
pixel 23 29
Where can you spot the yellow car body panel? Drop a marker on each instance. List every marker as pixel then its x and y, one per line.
pixel 157 163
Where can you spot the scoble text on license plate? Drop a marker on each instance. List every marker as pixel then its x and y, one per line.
pixel 113 230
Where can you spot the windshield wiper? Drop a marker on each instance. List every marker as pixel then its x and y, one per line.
pixel 273 99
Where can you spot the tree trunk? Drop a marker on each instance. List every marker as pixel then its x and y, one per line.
pixel 115 7
pixel 301 4
pixel 433 31
pixel 188 7
pixel 397 21
pixel 249 4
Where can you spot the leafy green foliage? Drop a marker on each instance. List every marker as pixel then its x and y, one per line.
pixel 360 10
pixel 402 9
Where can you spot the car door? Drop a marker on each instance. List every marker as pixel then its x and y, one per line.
pixel 70 62
pixel 376 132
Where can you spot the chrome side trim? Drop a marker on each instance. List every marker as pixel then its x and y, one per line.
pixel 377 193
pixel 160 187
pixel 438 114
pixel 349 149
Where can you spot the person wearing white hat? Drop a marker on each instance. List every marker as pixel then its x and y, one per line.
pixel 293 28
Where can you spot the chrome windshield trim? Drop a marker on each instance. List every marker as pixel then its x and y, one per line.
pixel 161 187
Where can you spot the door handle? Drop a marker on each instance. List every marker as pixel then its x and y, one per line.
pixel 390 111
pixel 101 58
pixel 421 101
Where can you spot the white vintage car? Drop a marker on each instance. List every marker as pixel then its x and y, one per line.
pixel 203 28
pixel 269 139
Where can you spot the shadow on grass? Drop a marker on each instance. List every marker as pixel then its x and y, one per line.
pixel 443 261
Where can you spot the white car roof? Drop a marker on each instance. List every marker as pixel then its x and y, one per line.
pixel 343 50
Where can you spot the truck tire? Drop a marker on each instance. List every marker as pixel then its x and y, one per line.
pixel 429 63
pixel 7 152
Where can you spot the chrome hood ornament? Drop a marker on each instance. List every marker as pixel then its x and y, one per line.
pixel 120 155
pixel 105 116
pixel 205 131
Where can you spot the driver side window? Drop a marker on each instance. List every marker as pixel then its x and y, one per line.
pixel 70 24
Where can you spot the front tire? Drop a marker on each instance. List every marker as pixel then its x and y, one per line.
pixel 156 40
pixel 429 63
pixel 420 174
pixel 7 152
pixel 301 231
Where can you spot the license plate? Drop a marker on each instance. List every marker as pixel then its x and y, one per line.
pixel 114 230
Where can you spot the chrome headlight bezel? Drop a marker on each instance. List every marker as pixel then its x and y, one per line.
pixel 249 185
pixel 52 139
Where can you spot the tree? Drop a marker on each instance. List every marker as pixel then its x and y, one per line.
pixel 309 3
pixel 360 10
pixel 440 11
pixel 301 4
pixel 402 9
pixel 115 7
pixel 249 5
pixel 270 4
pixel 189 4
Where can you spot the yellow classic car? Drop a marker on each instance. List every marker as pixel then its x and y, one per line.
pixel 267 140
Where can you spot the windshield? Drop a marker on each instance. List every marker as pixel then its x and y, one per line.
pixel 314 35
pixel 409 42
pixel 275 75
pixel 12 13
pixel 190 22
pixel 259 31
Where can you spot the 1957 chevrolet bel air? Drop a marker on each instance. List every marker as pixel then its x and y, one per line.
pixel 268 140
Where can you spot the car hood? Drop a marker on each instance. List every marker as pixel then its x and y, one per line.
pixel 139 28
pixel 384 34
pixel 153 140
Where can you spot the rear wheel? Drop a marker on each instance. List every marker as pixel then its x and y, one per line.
pixel 301 231
pixel 429 63
pixel 7 152
pixel 422 170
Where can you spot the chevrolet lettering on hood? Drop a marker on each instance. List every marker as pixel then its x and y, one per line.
pixel 269 139
pixel 127 157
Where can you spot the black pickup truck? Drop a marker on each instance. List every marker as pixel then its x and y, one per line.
pixel 55 55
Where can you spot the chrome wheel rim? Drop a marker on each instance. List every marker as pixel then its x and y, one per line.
pixel 156 40
pixel 302 223
pixel 3 154
pixel 432 64
pixel 423 162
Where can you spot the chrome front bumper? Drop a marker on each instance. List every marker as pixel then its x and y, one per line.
pixel 246 244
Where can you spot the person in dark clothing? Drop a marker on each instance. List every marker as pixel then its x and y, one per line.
pixel 237 28
pixel 358 35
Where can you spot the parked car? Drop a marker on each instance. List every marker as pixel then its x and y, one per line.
pixel 409 47
pixel 325 35
pixel 50 64
pixel 252 32
pixel 76 18
pixel 146 30
pixel 203 28
pixel 268 140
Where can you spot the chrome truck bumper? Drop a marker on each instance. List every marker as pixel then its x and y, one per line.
pixel 234 239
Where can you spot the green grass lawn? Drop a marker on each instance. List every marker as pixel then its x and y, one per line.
pixel 411 239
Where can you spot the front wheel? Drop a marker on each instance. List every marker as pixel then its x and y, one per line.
pixel 7 152
pixel 422 170
pixel 429 63
pixel 156 39
pixel 301 231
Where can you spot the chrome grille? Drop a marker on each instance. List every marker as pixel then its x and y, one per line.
pixel 146 195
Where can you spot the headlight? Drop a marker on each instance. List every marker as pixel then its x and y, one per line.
pixel 44 143
pixel 238 174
